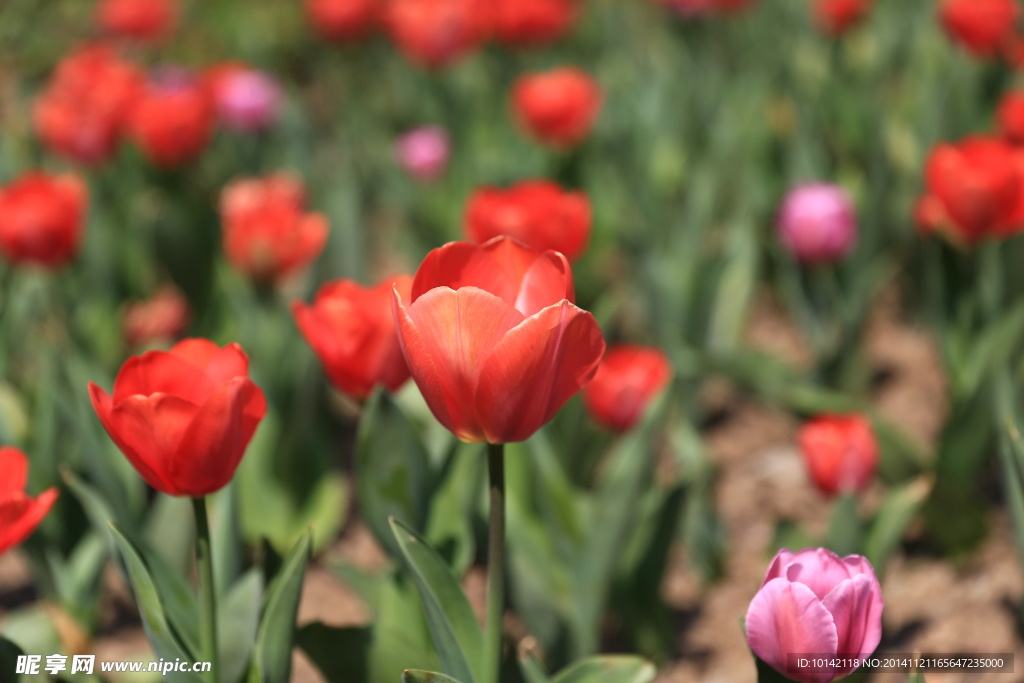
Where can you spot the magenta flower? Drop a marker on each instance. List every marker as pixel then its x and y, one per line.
pixel 818 223
pixel 248 100
pixel 815 602
pixel 424 152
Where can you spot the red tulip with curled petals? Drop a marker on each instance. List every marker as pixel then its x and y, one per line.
pixel 42 218
pixel 493 339
pixel 835 17
pixel 982 27
pixel 352 330
pixel 557 108
pixel 143 20
pixel 20 514
pixel 436 33
pixel 173 121
pixel 537 213
pixel 183 417
pixel 627 380
pixel 525 23
pixel 343 20
pixel 840 452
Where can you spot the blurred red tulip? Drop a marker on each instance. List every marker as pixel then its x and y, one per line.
pixel 835 17
pixel 183 418
pixel 343 20
pixel 840 452
pixel 525 23
pixel 493 339
pixel 435 33
pixel 163 317
pixel 1010 117
pixel 267 233
pixel 558 107
pixel 983 27
pixel 979 185
pixel 42 218
pixel 537 213
pixel 143 20
pixel 352 330
pixel 19 514
pixel 83 110
pixel 627 380
pixel 173 121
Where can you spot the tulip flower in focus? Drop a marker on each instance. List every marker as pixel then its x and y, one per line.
pixel 817 223
pixel 83 111
pixel 343 20
pixel 814 601
pixel 352 330
pixel 493 339
pixel 19 513
pixel 142 20
pixel 436 33
pixel 161 318
pixel 557 108
pixel 267 232
pixel 978 182
pixel 525 23
pixel 982 27
pixel 42 218
pixel 537 213
pixel 424 152
pixel 835 17
pixel 247 100
pixel 628 378
pixel 183 417
pixel 840 452
pixel 173 121
pixel 1010 117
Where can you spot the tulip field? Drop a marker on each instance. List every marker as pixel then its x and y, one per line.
pixel 511 341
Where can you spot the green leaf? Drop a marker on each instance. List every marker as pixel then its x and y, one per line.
pixel 9 653
pixel 272 654
pixel 532 670
pixel 453 626
pixel 392 470
pixel 607 669
pixel 166 535
pixel 238 616
pixel 452 506
pixel 341 654
pixel 225 529
pixel 897 510
pixel 845 529
pixel 416 676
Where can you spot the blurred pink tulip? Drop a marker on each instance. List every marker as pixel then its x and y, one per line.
pixel 818 223
pixel 248 100
pixel 814 601
pixel 424 152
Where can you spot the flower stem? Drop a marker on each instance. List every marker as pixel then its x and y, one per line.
pixel 207 590
pixel 495 563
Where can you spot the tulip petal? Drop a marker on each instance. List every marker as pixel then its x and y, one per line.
pixel 547 281
pixel 218 364
pixel 159 372
pixel 787 618
pixel 214 441
pixel 13 471
pixel 446 336
pixel 20 515
pixel 856 607
pixel 535 368
pixel 819 569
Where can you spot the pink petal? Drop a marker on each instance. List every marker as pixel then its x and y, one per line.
pixel 856 607
pixel 819 569
pixel 13 471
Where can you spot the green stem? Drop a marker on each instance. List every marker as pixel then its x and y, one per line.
pixel 207 590
pixel 495 563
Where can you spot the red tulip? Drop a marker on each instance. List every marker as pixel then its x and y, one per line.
pixel 42 218
pixel 978 183
pixel 352 330
pixel 144 20
pixel 559 107
pixel 537 213
pixel 183 418
pixel 525 23
pixel 836 16
pixel 1010 116
pixel 162 317
pixel 267 234
pixel 19 514
pixel 840 452
pixel 626 381
pixel 83 110
pixel 343 20
pixel 173 121
pixel 493 339
pixel 435 33
pixel 983 27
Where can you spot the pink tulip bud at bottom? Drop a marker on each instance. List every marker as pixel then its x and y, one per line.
pixel 814 602
pixel 818 223
pixel 424 152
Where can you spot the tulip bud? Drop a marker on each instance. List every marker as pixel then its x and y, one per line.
pixel 19 514
pixel 1010 117
pixel 161 318
pixel 424 152
pixel 835 17
pixel 248 100
pixel 840 452
pixel 982 27
pixel 815 602
pixel 817 223
pixel 173 121
pixel 436 33
pixel 343 20
pixel 144 20
pixel 557 108
pixel 628 378
pixel 42 218
pixel 526 23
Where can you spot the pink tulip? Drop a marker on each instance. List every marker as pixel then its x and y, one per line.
pixel 818 223
pixel 815 602
pixel 248 100
pixel 424 152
